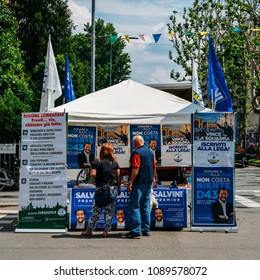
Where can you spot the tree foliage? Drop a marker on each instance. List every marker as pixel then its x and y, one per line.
pixel 231 24
pixel 37 20
pixel 15 97
pixel 120 60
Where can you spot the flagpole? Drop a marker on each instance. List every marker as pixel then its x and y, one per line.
pixel 110 76
pixel 93 48
pixel 192 77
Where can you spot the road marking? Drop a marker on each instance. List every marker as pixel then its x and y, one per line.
pixel 8 211
pixel 5 222
pixel 247 202
pixel 9 216
pixel 246 191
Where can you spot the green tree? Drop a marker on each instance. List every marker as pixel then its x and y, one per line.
pixel 80 58
pixel 15 97
pixel 37 20
pixel 229 23
pixel 120 61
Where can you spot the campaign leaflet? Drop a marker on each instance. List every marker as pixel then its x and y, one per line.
pixel 176 148
pixel 171 212
pixel 77 137
pixel 152 138
pixel 118 137
pixel 208 181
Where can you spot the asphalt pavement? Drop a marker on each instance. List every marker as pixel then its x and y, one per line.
pixel 161 245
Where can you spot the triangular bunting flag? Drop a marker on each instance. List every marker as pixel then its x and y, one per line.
pixel 113 39
pixel 141 36
pixel 202 33
pixel 127 38
pixel 156 37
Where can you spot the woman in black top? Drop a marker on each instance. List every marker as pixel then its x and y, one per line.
pixel 104 170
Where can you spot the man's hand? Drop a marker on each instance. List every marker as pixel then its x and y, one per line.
pixel 129 187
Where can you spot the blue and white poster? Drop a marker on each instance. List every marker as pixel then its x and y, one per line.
pixel 212 192
pixel 78 136
pixel 213 170
pixel 152 138
pixel 213 139
pixel 171 212
pixel 176 148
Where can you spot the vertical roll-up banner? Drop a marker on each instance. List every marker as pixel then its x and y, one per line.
pixel 43 173
pixel 213 194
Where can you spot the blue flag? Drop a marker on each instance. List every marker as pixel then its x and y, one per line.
pixel 217 87
pixel 68 86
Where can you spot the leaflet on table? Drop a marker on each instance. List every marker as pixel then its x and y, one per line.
pixel 77 137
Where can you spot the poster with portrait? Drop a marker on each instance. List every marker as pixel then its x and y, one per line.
pixel 118 137
pixel 81 202
pixel 176 148
pixel 152 138
pixel 213 191
pixel 172 209
pixel 78 136
pixel 171 202
pixel 213 169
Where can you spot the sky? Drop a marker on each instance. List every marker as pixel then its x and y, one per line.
pixel 150 61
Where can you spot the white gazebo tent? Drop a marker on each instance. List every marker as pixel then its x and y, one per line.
pixel 129 102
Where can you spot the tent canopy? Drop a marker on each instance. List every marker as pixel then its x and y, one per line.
pixel 129 102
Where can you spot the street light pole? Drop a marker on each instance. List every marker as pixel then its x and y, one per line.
pixel 110 74
pixel 93 48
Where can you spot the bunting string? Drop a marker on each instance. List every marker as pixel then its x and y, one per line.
pixel 155 38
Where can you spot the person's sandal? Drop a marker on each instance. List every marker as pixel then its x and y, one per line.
pixel 105 233
pixel 87 232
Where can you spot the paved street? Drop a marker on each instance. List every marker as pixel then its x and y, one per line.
pixel 166 245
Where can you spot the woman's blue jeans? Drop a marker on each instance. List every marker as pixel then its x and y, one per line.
pixel 139 208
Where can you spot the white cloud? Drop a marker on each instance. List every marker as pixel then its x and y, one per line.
pixel 150 64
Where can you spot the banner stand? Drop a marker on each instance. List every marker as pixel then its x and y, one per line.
pixel 226 229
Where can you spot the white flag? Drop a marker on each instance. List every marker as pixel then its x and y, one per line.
pixel 196 90
pixel 51 88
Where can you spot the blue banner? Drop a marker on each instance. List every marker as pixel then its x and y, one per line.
pixel 212 193
pixel 217 87
pixel 170 214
